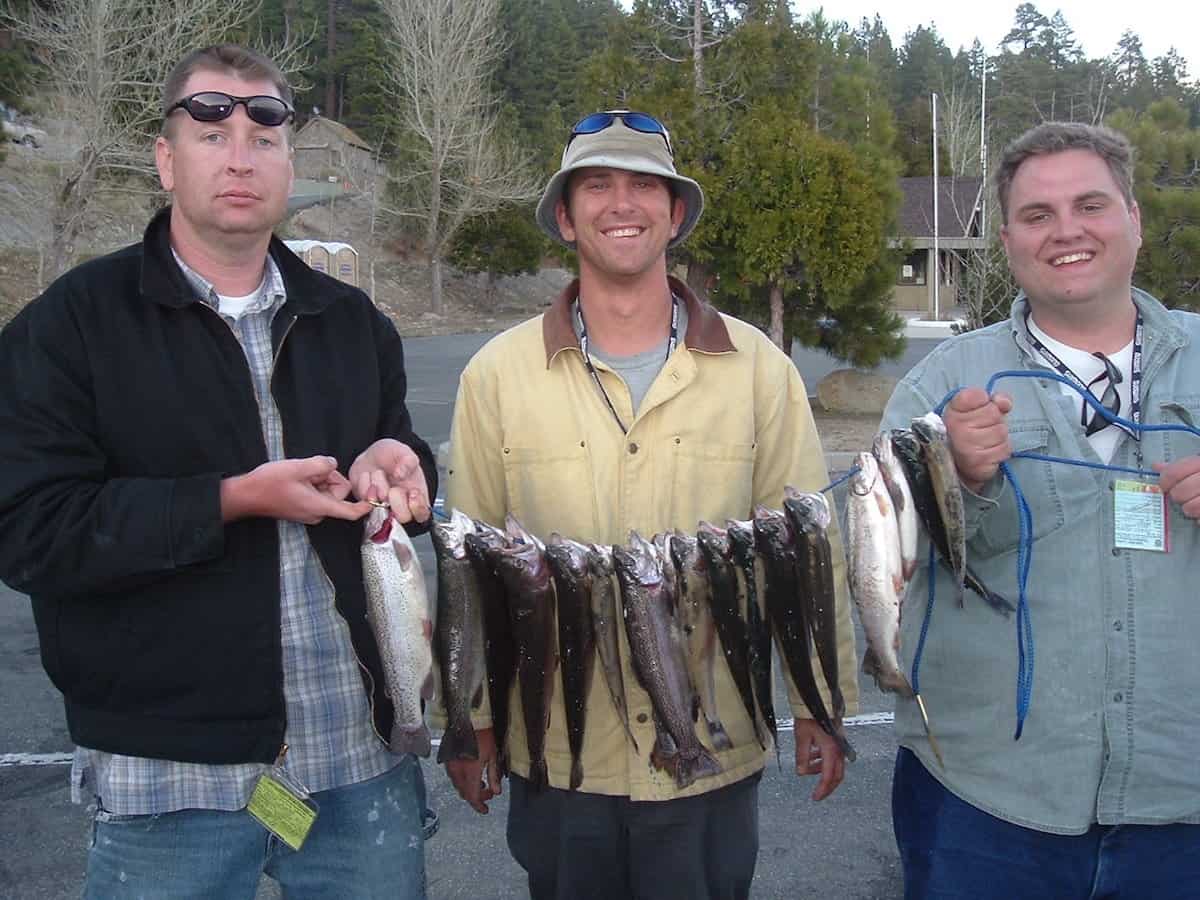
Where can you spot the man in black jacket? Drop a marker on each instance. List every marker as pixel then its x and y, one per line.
pixel 172 430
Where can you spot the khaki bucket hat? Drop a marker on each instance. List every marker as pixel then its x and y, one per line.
pixel 616 145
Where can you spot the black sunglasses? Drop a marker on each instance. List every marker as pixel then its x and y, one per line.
pixel 213 106
pixel 1110 399
pixel 642 122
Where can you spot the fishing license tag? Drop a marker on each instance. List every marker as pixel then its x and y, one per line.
pixel 1140 515
pixel 283 807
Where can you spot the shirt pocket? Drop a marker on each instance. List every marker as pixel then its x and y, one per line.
pixel 551 488
pixel 1176 445
pixel 711 480
pixel 1040 482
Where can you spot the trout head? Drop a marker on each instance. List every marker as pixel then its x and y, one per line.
pixel 449 537
pixel 569 558
pixel 639 561
pixel 930 428
pixel 378 527
pixel 865 479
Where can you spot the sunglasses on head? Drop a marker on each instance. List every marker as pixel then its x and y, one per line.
pixel 213 106
pixel 637 121
pixel 1110 399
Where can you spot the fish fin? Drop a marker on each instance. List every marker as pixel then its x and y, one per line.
pixel 477 697
pixel 894 683
pixel 427 687
pixel 427 629
pixel 719 736
pixel 460 744
pixel 847 747
pixel 870 663
pixel 410 740
pixel 538 778
pixel 702 765
pixel 997 602
pixel 576 774
pixel 404 552
pixel 898 583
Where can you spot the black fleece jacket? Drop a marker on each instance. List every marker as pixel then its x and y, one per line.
pixel 124 401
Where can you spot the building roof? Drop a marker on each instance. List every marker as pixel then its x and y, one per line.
pixel 959 201
pixel 340 131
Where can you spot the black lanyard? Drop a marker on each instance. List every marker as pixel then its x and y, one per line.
pixel 1135 377
pixel 672 341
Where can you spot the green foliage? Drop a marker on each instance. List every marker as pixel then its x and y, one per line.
pixel 507 242
pixel 1167 187
pixel 801 211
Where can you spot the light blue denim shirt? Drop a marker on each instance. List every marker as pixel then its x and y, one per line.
pixel 1113 730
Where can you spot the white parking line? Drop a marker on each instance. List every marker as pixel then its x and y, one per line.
pixel 64 759
pixel 34 759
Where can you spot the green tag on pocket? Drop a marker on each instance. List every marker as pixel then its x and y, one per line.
pixel 281 810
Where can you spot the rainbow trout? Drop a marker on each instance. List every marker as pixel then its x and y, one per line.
pixel 876 573
pixel 911 458
pixel 695 612
pixel 398 613
pixel 530 593
pixel 658 651
pixel 499 649
pixel 741 548
pixel 568 561
pixel 606 624
pixel 457 636
pixel 726 612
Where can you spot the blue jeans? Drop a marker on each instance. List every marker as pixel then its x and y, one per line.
pixel 951 850
pixel 366 843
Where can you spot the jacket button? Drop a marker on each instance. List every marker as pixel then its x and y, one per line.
pixel 1118 697
pixel 1117 626
pixel 1116 551
pixel 633 448
pixel 642 717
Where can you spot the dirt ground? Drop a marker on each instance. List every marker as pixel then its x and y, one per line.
pixel 845 433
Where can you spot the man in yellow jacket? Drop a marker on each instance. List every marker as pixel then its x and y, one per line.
pixel 631 404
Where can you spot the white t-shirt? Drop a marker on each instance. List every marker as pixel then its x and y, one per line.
pixel 1087 367
pixel 235 307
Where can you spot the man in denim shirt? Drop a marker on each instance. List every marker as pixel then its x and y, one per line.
pixel 1100 796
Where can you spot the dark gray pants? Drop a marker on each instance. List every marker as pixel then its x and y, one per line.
pixel 593 847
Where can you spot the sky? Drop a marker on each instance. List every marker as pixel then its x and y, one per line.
pixel 1097 24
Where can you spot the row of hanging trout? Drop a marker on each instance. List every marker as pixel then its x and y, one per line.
pixel 512 609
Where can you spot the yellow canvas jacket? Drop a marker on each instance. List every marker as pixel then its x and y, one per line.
pixel 725 425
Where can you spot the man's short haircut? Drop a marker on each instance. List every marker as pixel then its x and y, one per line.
pixel 1056 137
pixel 227 59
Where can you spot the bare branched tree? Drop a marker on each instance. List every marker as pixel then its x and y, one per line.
pixel 987 287
pixel 459 165
pixel 958 124
pixel 105 63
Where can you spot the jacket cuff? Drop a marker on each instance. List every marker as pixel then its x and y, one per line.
pixel 195 526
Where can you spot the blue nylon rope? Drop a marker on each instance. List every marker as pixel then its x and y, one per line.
pixel 1025 646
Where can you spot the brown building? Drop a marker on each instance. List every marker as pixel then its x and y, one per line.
pixel 959 222
pixel 328 151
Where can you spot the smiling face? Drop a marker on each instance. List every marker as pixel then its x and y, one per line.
pixel 1071 238
pixel 620 222
pixel 230 180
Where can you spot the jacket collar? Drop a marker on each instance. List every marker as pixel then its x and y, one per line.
pixel 163 282
pixel 706 330
pixel 1163 336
